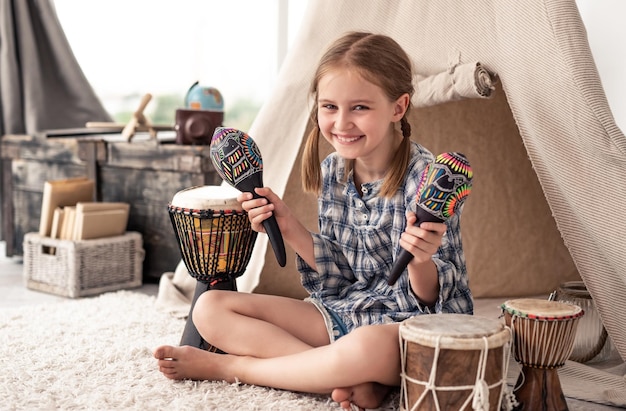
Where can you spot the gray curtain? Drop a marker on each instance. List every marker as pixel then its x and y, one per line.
pixel 42 86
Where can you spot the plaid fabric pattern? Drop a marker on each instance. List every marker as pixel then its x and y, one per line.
pixel 358 242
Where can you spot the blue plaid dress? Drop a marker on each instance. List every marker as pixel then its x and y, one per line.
pixel 358 241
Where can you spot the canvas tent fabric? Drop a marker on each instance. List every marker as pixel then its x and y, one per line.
pixel 548 156
pixel 42 87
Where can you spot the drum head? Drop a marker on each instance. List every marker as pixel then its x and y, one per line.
pixel 207 198
pixel 454 331
pixel 537 309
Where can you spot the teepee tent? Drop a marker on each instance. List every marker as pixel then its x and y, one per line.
pixel 548 157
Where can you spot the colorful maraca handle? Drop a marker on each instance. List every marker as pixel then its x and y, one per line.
pixel 238 161
pixel 445 185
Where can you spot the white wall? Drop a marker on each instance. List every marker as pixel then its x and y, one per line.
pixel 606 30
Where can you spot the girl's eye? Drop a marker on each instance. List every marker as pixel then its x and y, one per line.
pixel 329 106
pixel 359 107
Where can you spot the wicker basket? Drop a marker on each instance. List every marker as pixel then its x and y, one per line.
pixel 82 268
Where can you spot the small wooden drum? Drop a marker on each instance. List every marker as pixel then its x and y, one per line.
pixel 453 362
pixel 543 338
pixel 213 232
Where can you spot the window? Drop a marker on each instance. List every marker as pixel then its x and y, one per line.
pixel 129 48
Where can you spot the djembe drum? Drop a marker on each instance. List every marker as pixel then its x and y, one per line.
pixel 453 362
pixel 543 339
pixel 216 242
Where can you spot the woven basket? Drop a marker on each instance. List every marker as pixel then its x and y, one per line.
pixel 82 268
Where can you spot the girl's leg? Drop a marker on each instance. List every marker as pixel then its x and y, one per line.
pixel 258 325
pixel 367 354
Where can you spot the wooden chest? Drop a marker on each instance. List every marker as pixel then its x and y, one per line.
pixel 145 173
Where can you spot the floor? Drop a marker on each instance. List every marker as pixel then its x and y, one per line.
pixel 15 293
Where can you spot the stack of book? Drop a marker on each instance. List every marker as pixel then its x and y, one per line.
pixel 89 220
pixel 68 212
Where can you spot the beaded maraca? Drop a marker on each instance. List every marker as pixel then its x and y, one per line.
pixel 444 186
pixel 238 161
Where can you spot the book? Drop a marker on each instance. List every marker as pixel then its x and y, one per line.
pixel 61 193
pixel 87 207
pixel 67 228
pixel 98 220
pixel 57 222
pixel 55 231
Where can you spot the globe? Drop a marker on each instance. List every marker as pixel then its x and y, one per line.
pixel 201 97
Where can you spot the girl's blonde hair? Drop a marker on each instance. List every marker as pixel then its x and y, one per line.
pixel 381 61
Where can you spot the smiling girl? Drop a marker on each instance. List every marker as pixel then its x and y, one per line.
pixel 343 339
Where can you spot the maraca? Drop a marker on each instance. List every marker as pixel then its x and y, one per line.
pixel 444 186
pixel 238 161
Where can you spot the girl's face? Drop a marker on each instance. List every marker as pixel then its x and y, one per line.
pixel 356 117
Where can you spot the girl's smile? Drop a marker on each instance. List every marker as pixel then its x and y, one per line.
pixel 346 139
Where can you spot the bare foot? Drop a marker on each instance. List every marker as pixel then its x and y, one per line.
pixel 185 362
pixel 366 395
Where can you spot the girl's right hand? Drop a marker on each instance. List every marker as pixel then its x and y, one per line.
pixel 294 233
pixel 259 209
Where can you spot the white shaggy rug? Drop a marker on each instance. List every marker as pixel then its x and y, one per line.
pixel 96 353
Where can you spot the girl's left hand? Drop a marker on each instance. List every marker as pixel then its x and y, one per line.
pixel 422 241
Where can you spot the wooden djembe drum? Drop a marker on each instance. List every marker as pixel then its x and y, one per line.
pixel 453 362
pixel 216 242
pixel 543 339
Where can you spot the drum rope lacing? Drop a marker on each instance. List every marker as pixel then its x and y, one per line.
pixel 548 341
pixel 480 390
pixel 216 245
